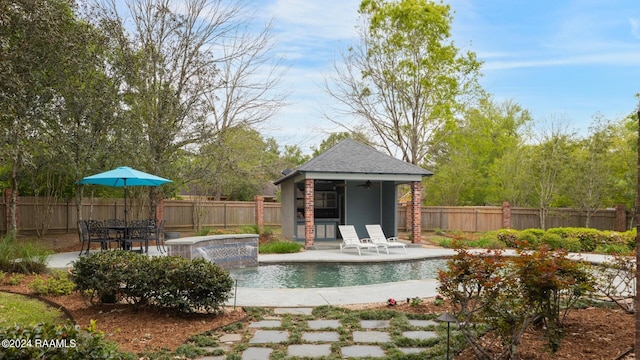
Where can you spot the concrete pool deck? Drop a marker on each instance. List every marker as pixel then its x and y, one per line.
pixel 378 293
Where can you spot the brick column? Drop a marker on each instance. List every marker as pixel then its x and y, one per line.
pixel 309 225
pixel 407 216
pixel 416 212
pixel 160 210
pixel 259 200
pixel 506 215
pixel 621 218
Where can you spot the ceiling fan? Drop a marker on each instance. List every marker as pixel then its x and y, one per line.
pixel 367 184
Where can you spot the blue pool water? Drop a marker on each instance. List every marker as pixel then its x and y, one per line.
pixel 320 275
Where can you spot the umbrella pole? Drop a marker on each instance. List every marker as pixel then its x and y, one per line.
pixel 126 226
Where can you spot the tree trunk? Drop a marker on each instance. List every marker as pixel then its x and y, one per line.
pixel 637 337
pixel 13 205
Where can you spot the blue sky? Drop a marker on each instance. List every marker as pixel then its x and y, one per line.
pixel 563 60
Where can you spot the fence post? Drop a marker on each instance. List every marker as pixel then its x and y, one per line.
pixel 506 215
pixel 259 200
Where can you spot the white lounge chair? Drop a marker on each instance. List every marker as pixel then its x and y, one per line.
pixel 377 237
pixel 350 239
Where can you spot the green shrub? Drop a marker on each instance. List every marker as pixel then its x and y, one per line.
pixel 507 237
pixel 629 238
pixel 61 342
pixel 191 285
pixel 57 284
pixel 15 279
pixel 571 244
pixel 280 247
pixel 203 232
pixel 554 241
pixel 102 275
pixel 486 243
pixel 562 232
pixel 170 282
pixel 416 301
pixel 589 238
pixel 530 238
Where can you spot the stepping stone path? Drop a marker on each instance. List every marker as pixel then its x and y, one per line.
pixel 316 342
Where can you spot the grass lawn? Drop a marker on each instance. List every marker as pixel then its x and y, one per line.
pixel 19 309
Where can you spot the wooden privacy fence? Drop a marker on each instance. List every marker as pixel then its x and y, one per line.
pixel 488 218
pixel 34 213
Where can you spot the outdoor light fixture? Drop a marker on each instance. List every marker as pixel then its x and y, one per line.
pixel 446 317
pixel 235 292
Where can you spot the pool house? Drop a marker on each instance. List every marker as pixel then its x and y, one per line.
pixel 351 183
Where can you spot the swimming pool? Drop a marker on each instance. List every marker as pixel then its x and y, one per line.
pixel 321 275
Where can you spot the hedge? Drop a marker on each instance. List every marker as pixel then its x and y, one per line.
pixel 171 282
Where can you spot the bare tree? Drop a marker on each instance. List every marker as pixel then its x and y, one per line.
pixel 183 63
pixel 549 161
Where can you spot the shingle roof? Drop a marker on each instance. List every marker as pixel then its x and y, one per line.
pixel 353 157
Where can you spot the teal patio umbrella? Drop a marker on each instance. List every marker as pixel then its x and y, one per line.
pixel 124 176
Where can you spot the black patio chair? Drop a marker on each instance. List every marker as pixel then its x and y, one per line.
pixel 83 233
pixel 138 231
pixel 96 233
pixel 114 228
pixel 157 233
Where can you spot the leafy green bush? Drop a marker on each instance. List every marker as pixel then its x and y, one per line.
pixel 629 238
pixel 486 243
pixel 57 284
pixel 15 279
pixel 589 238
pixel 61 342
pixel 102 275
pixel 508 237
pixel 280 247
pixel 167 281
pixel 571 244
pixel 203 232
pixel 552 240
pixel 191 285
pixel 530 238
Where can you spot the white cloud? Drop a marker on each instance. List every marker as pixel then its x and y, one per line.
pixel 635 27
pixel 630 58
pixel 329 19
